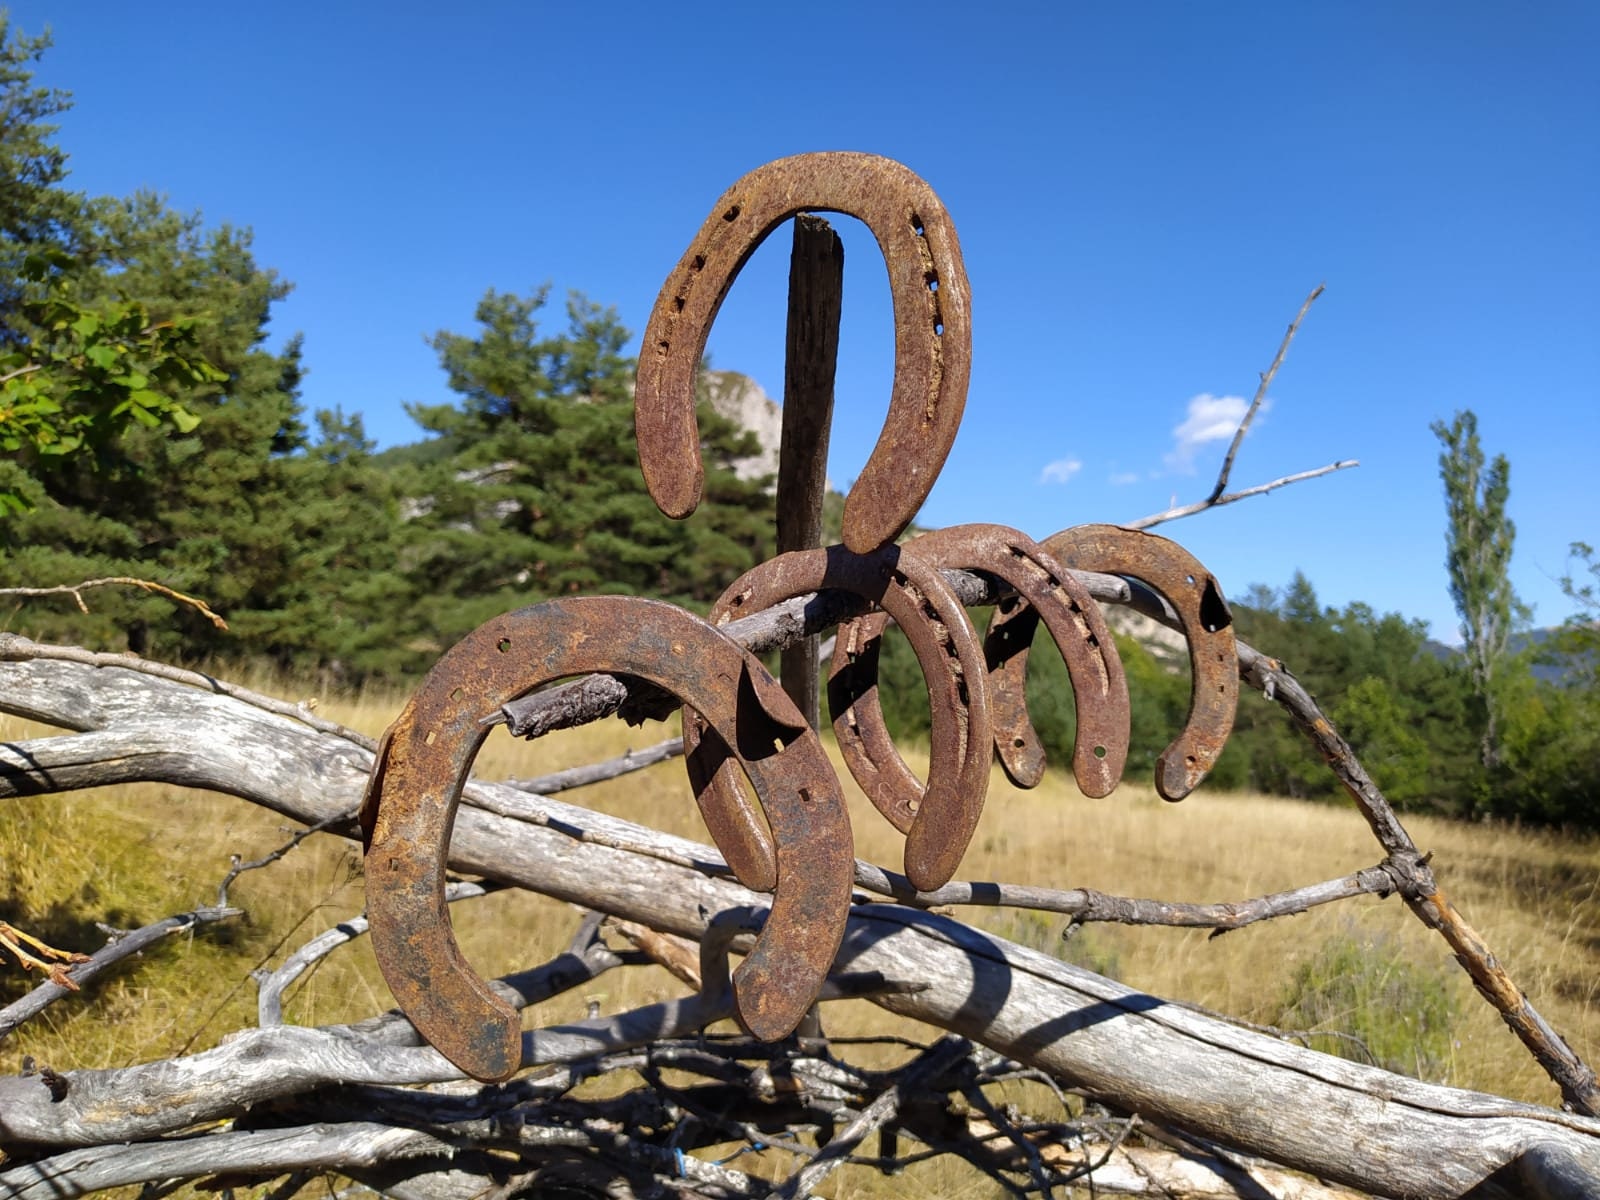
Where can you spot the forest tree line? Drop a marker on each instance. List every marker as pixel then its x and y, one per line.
pixel 151 431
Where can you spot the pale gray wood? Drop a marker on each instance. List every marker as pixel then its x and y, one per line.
pixel 1339 1120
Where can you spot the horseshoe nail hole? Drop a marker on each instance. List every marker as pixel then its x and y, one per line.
pixel 699 262
pixel 457 693
pixel 805 795
pixel 663 347
pixel 1018 743
pixel 933 281
pixel 433 736
pixel 677 304
pixel 913 805
pixel 938 329
pixel 1189 579
pixel 916 225
pixel 732 214
pixel 1099 751
pixel 503 645
pixel 1190 760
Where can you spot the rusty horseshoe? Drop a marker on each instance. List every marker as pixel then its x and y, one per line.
pixel 938 822
pixel 932 318
pixel 1079 630
pixel 422 764
pixel 1207 624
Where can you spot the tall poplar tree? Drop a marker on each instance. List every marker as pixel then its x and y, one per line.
pixel 1478 542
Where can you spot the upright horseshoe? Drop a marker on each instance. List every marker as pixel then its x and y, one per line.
pixel 932 320
pixel 1079 631
pixel 422 764
pixel 1207 624
pixel 938 823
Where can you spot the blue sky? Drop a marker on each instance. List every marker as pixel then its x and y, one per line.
pixel 1144 194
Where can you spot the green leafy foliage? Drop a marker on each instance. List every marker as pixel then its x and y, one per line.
pixel 87 374
pixel 1478 541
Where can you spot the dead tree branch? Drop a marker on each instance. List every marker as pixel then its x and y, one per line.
pixel 1261 395
pixel 76 590
pixel 117 950
pixel 272 984
pixel 1260 489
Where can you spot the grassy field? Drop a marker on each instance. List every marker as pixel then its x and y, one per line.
pixel 1367 968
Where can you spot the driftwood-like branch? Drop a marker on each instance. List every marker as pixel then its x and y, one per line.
pixel 255 1152
pixel 1136 1052
pixel 1086 906
pixel 117 950
pixel 140 756
pixel 15 648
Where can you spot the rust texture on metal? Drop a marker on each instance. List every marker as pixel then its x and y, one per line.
pixel 422 766
pixel 1197 598
pixel 938 820
pixel 932 318
pixel 1043 590
pixel 794 838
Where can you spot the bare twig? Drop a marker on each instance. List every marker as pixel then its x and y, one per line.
pixel 1260 489
pixel 76 590
pixel 22 945
pixel 918 1075
pixel 239 866
pixel 612 768
pixel 91 967
pixel 272 985
pixel 1085 905
pixel 1261 394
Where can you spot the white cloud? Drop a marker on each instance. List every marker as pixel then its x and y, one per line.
pixel 1123 478
pixel 1061 470
pixel 1211 419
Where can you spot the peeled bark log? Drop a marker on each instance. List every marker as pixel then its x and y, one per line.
pixel 1339 1120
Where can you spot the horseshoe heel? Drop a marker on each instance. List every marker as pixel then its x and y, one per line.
pixel 1079 631
pixel 422 764
pixel 1207 624
pixel 939 820
pixel 933 331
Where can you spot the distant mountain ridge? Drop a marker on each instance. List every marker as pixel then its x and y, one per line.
pixel 1532 639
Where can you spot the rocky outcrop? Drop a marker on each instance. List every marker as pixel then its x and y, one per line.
pixel 741 400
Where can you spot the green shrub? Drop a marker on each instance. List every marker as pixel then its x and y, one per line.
pixel 1361 997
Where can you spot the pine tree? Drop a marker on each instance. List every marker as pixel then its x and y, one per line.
pixel 533 489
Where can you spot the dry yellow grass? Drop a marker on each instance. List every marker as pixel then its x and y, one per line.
pixel 130 855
